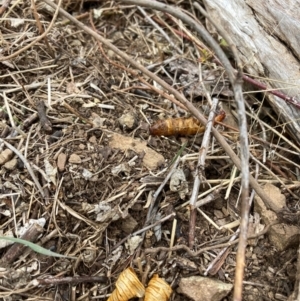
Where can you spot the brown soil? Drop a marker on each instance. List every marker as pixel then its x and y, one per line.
pixel 80 120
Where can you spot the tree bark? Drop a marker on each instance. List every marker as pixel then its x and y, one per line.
pixel 266 34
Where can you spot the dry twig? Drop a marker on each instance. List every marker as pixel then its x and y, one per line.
pixel 69 280
pixel 199 174
pixel 17 249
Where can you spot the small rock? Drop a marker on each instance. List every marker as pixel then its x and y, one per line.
pixel 11 165
pixel 61 161
pixel 81 146
pixel 111 54
pixel 75 159
pixel 152 160
pixel 93 139
pixel 129 224
pixel 132 243
pixel 128 121
pixel 87 174
pixel 5 156
pixel 204 289
pixel 282 235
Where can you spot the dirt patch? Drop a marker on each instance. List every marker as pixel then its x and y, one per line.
pixel 151 159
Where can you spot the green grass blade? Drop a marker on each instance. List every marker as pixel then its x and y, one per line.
pixel 35 247
pixel 182 148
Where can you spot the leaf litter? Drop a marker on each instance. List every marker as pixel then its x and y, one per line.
pixel 90 150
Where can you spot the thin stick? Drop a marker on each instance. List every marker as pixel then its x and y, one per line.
pixel 292 100
pixel 69 280
pixel 200 172
pixel 155 25
pixel 40 189
pixel 4 6
pixel 239 274
pixel 40 27
pixel 74 111
pixel 173 235
pixel 11 119
pixel 217 258
pixel 209 198
pixel 159 189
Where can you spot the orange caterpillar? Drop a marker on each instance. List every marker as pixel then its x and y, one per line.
pixel 180 126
